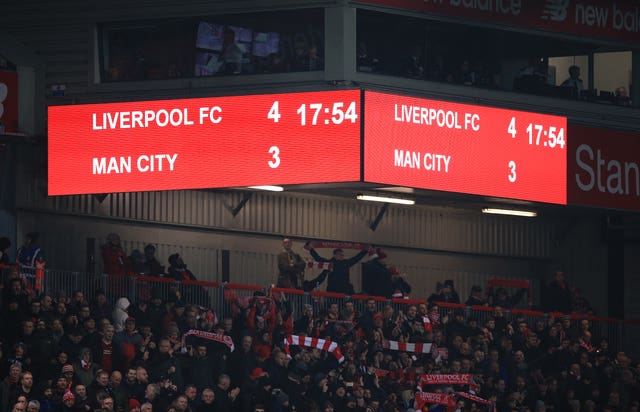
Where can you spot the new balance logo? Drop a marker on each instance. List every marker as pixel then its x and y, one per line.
pixel 555 10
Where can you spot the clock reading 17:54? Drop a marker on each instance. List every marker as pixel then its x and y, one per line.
pixel 540 135
pixel 317 113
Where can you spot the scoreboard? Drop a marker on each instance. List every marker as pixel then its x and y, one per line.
pixel 310 137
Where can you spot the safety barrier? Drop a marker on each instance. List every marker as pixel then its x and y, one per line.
pixel 227 299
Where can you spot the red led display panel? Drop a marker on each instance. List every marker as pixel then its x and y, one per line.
pixel 274 139
pixel 438 145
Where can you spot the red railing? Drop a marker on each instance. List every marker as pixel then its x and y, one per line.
pixel 227 298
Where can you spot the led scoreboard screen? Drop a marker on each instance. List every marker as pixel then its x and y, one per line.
pixel 444 146
pixel 252 140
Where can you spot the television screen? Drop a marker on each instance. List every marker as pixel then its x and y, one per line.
pixel 210 36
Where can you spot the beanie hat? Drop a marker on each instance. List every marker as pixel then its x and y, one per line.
pixel 133 403
pixel 68 395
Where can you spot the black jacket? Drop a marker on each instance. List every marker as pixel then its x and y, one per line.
pixel 339 281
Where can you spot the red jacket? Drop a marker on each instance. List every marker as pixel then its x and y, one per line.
pixel 116 262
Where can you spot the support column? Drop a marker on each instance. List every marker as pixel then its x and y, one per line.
pixel 615 244
pixel 340 43
pixel 635 78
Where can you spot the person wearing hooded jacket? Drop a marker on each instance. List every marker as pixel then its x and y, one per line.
pixel 129 339
pixel 85 368
pixel 120 314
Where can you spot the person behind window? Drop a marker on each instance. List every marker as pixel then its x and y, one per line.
pixel 231 55
pixel 414 64
pixel 622 97
pixel 366 61
pixel 574 82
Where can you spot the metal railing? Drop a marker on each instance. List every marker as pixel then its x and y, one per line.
pixel 226 299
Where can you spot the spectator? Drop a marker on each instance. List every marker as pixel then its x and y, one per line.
pixel 180 404
pixel 366 61
pixel 30 253
pixel 445 293
pixel 120 313
pixel 574 83
pixel 99 306
pixel 475 298
pixel 106 352
pixel 225 399
pixel 133 405
pixel 201 368
pixel 99 389
pixel 151 266
pixel 120 395
pixel 137 260
pixel 502 299
pixel 130 340
pixel 291 266
pixel 339 278
pixel 15 298
pixel 558 294
pixel 140 385
pixel 68 402
pixel 191 393
pixel 622 97
pixel 141 313
pixel 23 388
pixel 414 65
pixel 231 55
pixel 116 261
pixel 398 286
pixel 77 301
pixel 242 361
pixel 107 404
pixel 165 367
pixel 375 275
pixel 207 404
pixel 33 406
pixel 178 269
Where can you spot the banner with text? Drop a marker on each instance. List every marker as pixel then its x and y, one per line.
pixel 609 20
pixel 603 168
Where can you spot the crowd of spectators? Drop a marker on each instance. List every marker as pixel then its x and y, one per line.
pixel 164 353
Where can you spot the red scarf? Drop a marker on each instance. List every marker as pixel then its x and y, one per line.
pixel 322 344
pixel 216 337
pixel 431 397
pixel 442 379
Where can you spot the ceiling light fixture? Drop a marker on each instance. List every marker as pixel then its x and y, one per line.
pixel 268 188
pixel 385 199
pixel 510 212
